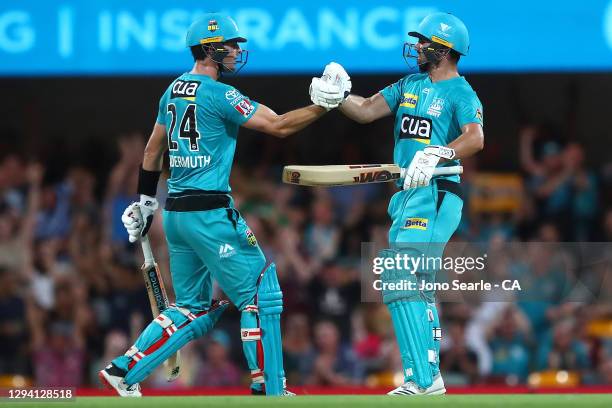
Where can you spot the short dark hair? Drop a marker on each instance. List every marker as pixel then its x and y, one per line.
pixel 455 56
pixel 198 53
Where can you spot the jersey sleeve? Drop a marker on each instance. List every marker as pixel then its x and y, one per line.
pixel 161 111
pixel 235 107
pixel 468 109
pixel 393 94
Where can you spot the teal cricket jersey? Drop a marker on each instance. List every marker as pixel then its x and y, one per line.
pixel 429 113
pixel 202 117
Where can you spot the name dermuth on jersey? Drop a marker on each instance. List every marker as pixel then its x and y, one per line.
pixel 194 106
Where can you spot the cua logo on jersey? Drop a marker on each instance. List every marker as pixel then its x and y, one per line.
pixel 416 223
pixel 244 107
pixel 416 127
pixel 185 89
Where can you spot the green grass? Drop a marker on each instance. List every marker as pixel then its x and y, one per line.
pixel 339 401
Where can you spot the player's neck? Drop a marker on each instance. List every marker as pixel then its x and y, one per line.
pixel 201 68
pixel 443 72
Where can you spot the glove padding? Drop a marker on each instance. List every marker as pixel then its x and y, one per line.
pixel 335 74
pixel 332 88
pixel 423 165
pixel 138 217
pixel 324 94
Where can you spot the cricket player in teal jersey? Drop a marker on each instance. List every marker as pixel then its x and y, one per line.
pixel 198 122
pixel 438 121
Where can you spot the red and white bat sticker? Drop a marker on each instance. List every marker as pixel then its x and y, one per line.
pixel 244 107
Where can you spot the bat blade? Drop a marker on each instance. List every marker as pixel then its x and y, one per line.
pixel 158 300
pixel 350 174
pixel 340 175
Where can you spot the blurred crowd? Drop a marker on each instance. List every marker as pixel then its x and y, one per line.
pixel 72 296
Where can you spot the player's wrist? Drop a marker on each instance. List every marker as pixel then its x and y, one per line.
pixel 147 182
pixel 148 202
pixel 443 152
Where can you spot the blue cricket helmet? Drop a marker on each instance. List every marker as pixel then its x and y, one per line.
pixel 444 29
pixel 213 28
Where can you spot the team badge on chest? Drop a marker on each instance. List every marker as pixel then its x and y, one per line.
pixel 435 109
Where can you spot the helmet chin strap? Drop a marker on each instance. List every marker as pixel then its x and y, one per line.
pixel 217 53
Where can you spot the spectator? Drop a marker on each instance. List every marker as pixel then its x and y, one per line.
pixel 297 348
pixel 508 342
pixel 458 362
pixel 333 364
pixel 562 350
pixel 217 369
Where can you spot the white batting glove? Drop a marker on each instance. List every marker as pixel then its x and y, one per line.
pixel 335 74
pixel 138 217
pixel 423 165
pixel 324 94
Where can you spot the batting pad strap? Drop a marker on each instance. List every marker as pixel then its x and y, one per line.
pixel 251 309
pixel 431 356
pixel 166 323
pixel 134 353
pixel 186 312
pixel 437 333
pixel 248 334
pixel 257 377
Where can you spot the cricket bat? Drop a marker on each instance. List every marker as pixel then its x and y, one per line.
pixel 158 299
pixel 350 174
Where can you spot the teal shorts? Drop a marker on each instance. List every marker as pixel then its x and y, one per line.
pixel 213 244
pixel 423 221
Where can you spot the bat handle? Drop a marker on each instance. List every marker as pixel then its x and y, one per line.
pixel 149 259
pixel 448 171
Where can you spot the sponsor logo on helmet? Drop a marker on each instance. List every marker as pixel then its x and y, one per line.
pixel 444 27
pixel 441 41
pixel 479 114
pixel 409 100
pixel 211 40
pixel 416 223
pixel 213 26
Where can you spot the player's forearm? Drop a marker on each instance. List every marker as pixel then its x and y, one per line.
pixel 356 107
pixel 296 120
pixel 154 150
pixel 152 161
pixel 467 144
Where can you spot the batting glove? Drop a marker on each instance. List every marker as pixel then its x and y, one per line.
pixel 423 165
pixel 335 74
pixel 138 217
pixel 324 94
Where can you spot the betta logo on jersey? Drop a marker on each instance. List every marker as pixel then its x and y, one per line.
pixel 213 26
pixel 409 100
pixel 185 89
pixel 416 127
pixel 416 223
pixel 244 107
